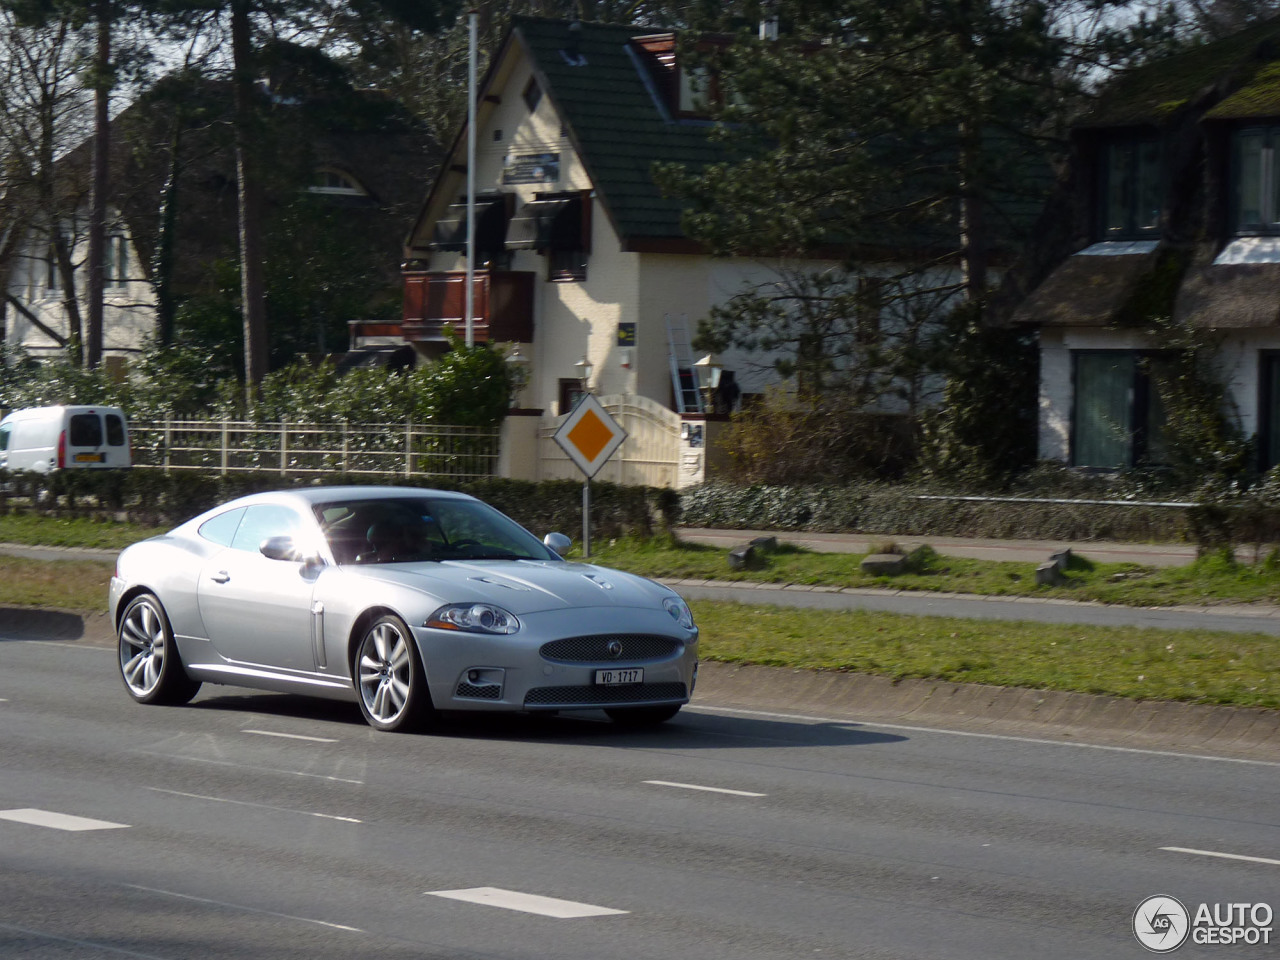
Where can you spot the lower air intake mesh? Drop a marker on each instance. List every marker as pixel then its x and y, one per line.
pixel 490 691
pixel 639 693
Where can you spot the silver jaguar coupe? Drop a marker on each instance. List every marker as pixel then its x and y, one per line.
pixel 407 601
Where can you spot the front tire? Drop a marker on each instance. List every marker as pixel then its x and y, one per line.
pixel 390 680
pixel 641 716
pixel 150 666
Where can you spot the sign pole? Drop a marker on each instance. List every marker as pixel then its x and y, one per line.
pixel 589 436
pixel 586 519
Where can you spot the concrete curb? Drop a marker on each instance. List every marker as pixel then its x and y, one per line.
pixel 1236 732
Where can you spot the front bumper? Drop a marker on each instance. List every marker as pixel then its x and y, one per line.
pixel 549 664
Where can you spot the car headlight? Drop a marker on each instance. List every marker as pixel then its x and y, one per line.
pixel 679 611
pixel 474 618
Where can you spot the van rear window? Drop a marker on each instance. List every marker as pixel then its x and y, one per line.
pixel 115 430
pixel 86 430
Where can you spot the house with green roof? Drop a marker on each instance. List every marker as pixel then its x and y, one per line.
pixel 1176 226
pixel 578 254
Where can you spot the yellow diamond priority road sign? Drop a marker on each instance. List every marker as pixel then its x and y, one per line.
pixel 589 435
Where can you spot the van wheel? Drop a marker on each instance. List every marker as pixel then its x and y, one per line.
pixel 150 666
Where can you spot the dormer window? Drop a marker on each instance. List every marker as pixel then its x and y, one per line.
pixel 1130 188
pixel 334 182
pixel 1256 182
pixel 686 91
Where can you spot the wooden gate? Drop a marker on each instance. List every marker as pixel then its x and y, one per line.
pixel 650 455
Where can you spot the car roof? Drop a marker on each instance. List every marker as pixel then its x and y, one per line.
pixel 313 495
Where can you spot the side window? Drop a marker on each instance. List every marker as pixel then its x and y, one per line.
pixel 4 438
pixel 262 521
pixel 115 430
pixel 86 430
pixel 222 528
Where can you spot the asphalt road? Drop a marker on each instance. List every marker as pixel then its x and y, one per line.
pixel 263 826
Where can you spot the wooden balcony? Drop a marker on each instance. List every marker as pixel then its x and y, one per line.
pixel 502 309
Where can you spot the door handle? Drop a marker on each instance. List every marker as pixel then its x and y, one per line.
pixel 220 577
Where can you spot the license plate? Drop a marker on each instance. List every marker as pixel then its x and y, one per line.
pixel 617 678
pixel 88 458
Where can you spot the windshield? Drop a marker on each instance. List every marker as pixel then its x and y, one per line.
pixel 409 529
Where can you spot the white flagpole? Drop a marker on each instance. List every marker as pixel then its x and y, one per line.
pixel 471 179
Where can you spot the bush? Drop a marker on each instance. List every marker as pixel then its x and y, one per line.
pixel 158 499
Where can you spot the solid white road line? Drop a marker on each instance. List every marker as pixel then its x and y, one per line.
pixel 59 821
pixel 261 806
pixel 694 786
pixel 290 736
pixel 877 725
pixel 240 906
pixel 1223 856
pixel 525 902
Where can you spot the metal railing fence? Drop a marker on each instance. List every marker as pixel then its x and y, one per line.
pixel 231 446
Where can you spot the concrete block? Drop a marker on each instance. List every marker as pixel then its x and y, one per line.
pixel 742 556
pixel 765 544
pixel 1049 574
pixel 884 564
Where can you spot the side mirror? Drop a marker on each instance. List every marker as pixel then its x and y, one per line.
pixel 557 542
pixel 279 548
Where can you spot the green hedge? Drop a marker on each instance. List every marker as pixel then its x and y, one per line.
pixel 880 509
pixel 156 498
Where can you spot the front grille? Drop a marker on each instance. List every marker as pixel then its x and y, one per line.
pixel 489 691
pixel 636 647
pixel 639 693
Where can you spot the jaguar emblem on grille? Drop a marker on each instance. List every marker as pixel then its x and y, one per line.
pixel 615 648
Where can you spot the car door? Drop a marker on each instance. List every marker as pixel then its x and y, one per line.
pixel 257 610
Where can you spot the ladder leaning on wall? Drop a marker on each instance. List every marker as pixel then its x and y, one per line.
pixel 684 381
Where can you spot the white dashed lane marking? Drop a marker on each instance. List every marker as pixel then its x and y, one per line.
pixel 525 902
pixel 695 786
pixel 58 821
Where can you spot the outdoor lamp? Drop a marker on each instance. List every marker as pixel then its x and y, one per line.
pixel 708 371
pixel 517 372
pixel 584 368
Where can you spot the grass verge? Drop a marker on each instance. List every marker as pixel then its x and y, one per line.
pixel 1226 668
pixel 78 585
pixel 35 530
pixel 1211 579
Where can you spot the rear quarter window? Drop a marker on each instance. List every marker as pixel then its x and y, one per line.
pixel 222 528
pixel 86 430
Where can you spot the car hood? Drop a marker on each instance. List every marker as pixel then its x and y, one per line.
pixel 522 586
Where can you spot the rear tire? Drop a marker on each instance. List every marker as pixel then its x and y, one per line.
pixel 391 683
pixel 641 716
pixel 150 665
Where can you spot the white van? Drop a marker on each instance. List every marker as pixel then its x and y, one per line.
pixel 56 438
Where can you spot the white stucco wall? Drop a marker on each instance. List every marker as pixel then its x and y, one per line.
pixel 129 316
pixel 1238 364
